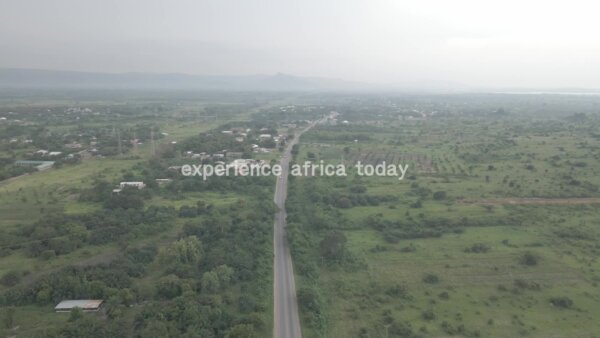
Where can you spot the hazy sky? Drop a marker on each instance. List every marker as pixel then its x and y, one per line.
pixel 508 43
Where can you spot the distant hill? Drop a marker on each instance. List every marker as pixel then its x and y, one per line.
pixel 36 78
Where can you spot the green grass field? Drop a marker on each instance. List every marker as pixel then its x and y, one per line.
pixel 484 294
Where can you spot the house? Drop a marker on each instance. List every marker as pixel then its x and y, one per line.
pixel 234 154
pixel 54 153
pixel 87 305
pixel 163 181
pixel 42 152
pixel 137 184
pixel 227 132
pixel 264 137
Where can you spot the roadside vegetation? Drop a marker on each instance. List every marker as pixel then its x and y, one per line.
pixel 491 234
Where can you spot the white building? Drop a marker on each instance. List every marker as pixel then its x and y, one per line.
pixel 137 184
pixel 86 305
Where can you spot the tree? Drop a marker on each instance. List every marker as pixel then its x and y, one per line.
pixel 188 211
pixel 224 273
pixel 210 282
pixel 83 327
pixel 169 287
pixel 333 245
pixel 187 250
pixel 155 329
pixel 309 299
pixel 76 314
pixel 242 331
pixel 344 202
pixel 10 278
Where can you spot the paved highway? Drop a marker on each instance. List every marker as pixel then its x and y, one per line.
pixel 286 320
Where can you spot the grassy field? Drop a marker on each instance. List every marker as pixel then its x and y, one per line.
pixel 471 280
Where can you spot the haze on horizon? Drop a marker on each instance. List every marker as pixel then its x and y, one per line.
pixel 479 44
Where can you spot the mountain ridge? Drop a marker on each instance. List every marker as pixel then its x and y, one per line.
pixel 65 79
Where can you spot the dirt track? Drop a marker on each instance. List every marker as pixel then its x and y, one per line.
pixel 535 201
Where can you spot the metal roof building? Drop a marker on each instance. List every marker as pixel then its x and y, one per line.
pixel 84 304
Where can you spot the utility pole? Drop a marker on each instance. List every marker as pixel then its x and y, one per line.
pixel 387 326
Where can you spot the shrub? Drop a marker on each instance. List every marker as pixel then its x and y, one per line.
pixel 47 255
pixel 439 195
pixel 478 248
pixel 526 285
pixel 529 259
pixel 431 279
pixel 10 278
pixel 344 202
pixel 562 302
pixel 428 315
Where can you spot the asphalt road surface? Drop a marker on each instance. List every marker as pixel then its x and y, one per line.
pixel 286 320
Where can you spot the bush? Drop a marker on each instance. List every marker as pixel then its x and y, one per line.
pixel 398 290
pixel 526 285
pixel 48 254
pixel 562 302
pixel 431 279
pixel 10 278
pixel 344 203
pixel 529 259
pixel 168 287
pixel 478 248
pixel 309 300
pixel 439 195
pixel 428 315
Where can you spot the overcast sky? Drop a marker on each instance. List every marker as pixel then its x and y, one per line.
pixel 507 43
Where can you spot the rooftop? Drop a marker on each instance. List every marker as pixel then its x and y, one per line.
pixel 84 304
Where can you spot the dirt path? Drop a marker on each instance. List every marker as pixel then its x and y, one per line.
pixel 534 201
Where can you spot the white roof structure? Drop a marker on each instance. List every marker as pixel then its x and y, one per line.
pixel 84 304
pixel 138 185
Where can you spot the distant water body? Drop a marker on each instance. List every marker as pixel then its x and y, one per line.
pixel 552 93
